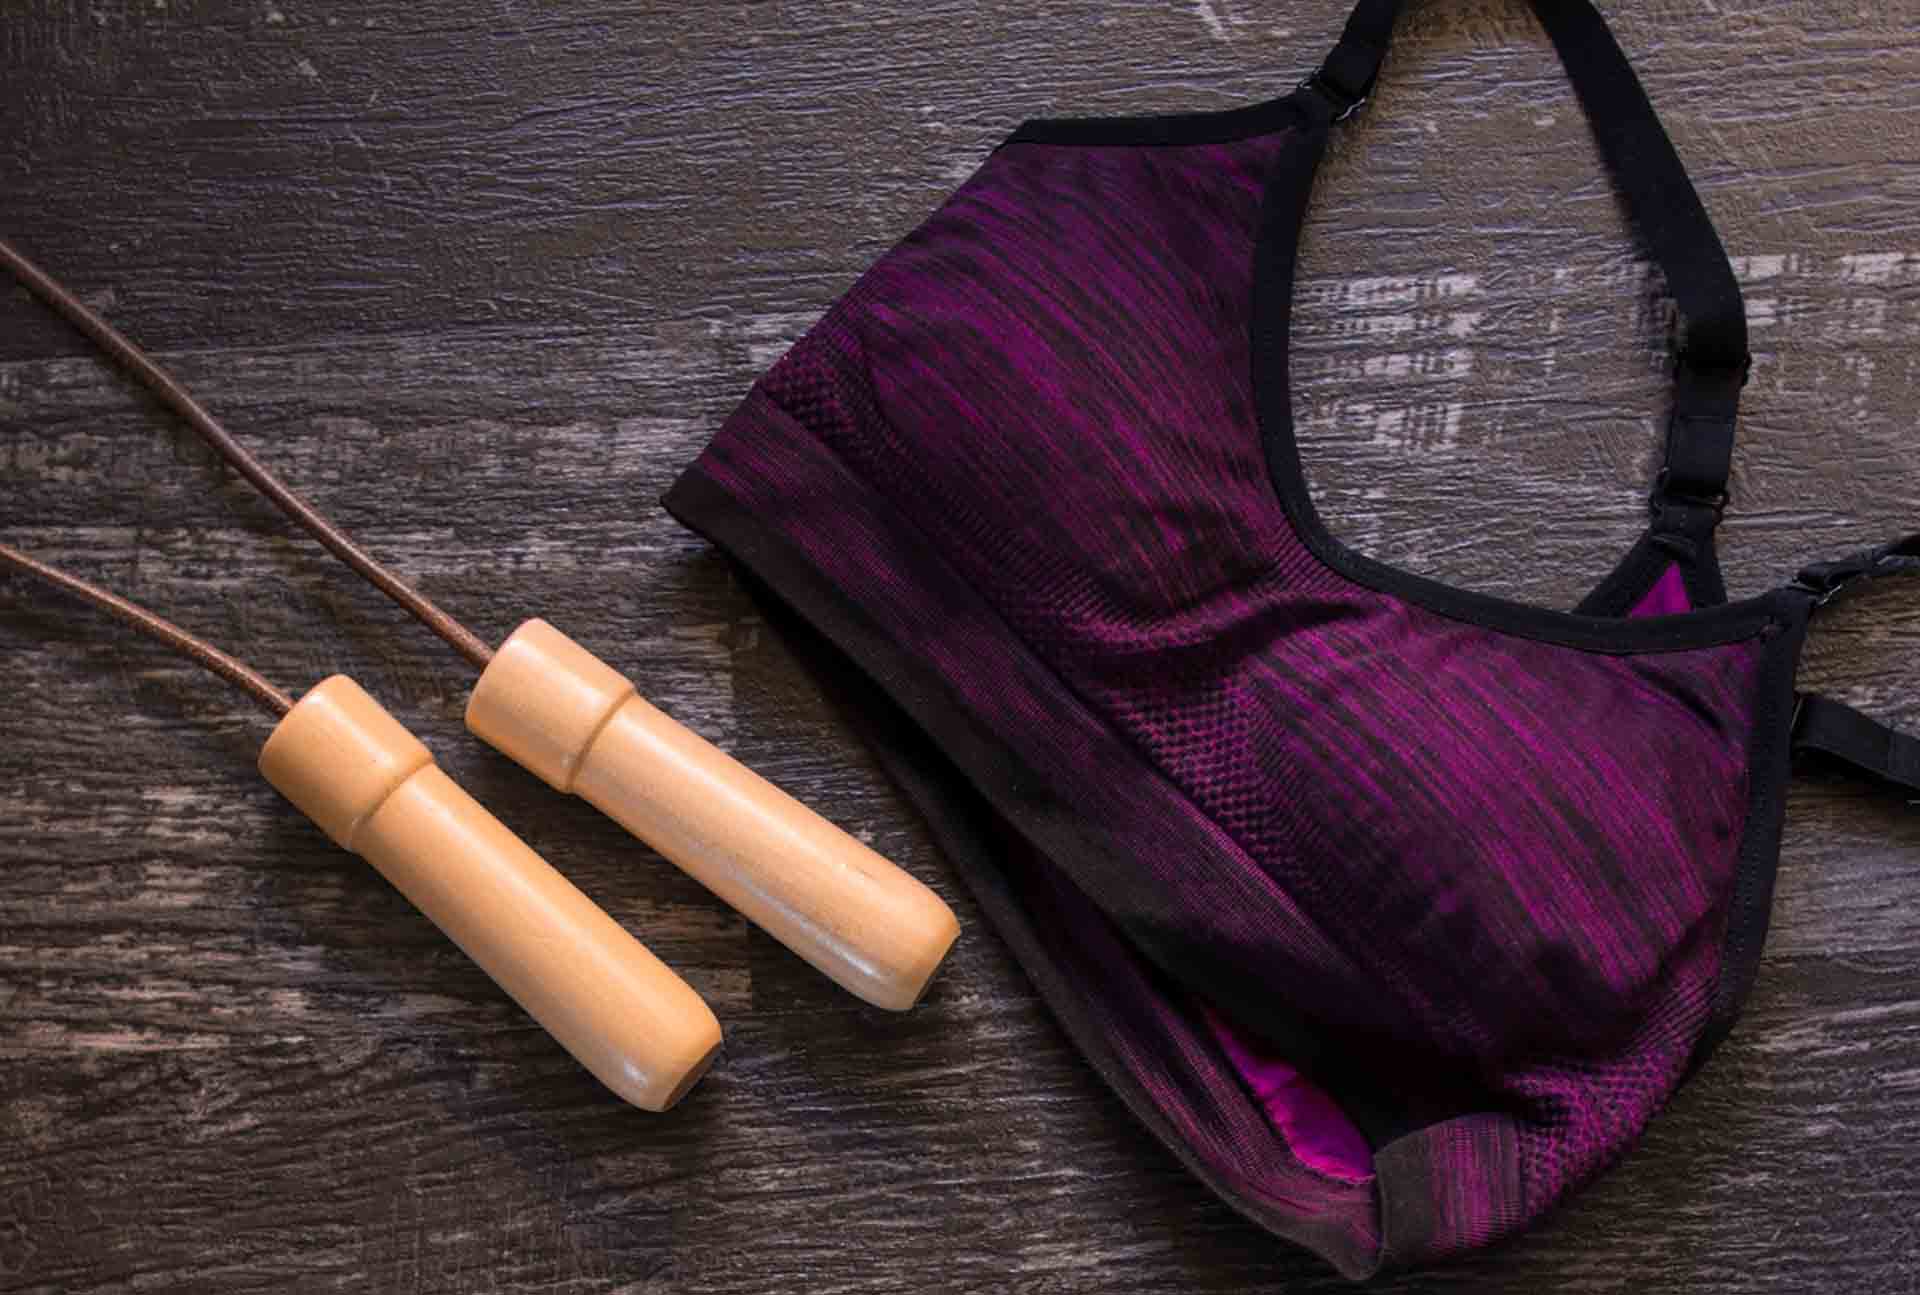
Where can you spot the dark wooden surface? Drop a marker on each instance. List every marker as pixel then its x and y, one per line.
pixel 480 277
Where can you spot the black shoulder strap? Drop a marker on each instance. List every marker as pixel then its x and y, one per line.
pixel 1712 361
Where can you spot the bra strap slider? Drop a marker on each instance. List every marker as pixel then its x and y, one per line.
pixel 1343 101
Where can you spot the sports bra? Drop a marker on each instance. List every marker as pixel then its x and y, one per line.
pixel 1395 910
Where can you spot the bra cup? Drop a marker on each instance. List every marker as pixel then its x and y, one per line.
pixel 1518 852
pixel 1526 849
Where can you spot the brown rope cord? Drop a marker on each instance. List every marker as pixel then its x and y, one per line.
pixel 177 398
pixel 202 652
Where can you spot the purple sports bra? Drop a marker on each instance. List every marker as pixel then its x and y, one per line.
pixel 1395 910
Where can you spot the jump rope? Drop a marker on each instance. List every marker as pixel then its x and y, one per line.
pixel 576 722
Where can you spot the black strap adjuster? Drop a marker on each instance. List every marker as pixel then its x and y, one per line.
pixel 1664 493
pixel 1343 102
pixel 1690 493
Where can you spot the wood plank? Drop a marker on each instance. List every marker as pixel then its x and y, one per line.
pixel 483 277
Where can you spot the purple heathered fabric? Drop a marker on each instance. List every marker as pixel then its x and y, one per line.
pixel 1667 597
pixel 1025 448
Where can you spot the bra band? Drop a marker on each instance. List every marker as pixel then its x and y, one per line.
pixel 1711 365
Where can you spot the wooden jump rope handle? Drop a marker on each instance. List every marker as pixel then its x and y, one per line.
pixel 372 787
pixel 576 722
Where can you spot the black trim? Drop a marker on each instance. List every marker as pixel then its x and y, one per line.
pixel 1289 189
pixel 1223 127
pixel 1769 765
pixel 1783 725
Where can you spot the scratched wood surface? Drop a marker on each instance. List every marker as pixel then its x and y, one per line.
pixel 482 276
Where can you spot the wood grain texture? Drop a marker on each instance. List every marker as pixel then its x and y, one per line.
pixel 482 277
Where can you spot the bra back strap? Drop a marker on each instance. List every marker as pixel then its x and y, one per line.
pixel 1712 361
pixel 1833 730
pixel 1825 581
